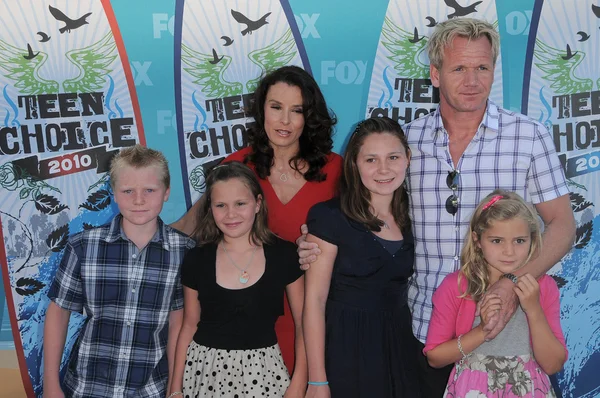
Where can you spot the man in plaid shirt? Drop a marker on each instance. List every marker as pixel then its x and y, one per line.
pixel 125 277
pixel 460 153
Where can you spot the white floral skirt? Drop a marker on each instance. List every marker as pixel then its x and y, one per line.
pixel 211 372
pixel 483 376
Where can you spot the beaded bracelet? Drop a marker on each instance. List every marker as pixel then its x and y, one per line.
pixel 175 393
pixel 318 383
pixel 460 347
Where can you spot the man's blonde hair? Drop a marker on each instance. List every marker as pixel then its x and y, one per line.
pixel 470 28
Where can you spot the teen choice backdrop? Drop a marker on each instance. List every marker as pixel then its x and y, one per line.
pixel 80 80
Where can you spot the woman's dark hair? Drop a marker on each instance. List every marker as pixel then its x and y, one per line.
pixel 315 141
pixel 355 198
pixel 207 230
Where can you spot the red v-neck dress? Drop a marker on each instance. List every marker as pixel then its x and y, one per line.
pixel 285 221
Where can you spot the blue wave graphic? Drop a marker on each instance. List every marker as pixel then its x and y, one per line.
pixel 109 93
pixel 203 126
pixel 580 305
pixel 119 108
pixel 32 311
pixel 7 122
pixel 387 104
pixel 544 102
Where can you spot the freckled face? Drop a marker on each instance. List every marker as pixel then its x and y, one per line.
pixel 284 117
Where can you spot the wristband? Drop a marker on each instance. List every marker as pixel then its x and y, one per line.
pixel 318 383
pixel 513 278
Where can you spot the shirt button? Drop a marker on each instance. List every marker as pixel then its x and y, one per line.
pixel 456 228
pixel 128 323
pixel 455 258
pixel 134 256
pixel 132 290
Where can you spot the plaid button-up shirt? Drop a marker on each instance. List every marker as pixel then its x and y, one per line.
pixel 127 295
pixel 509 151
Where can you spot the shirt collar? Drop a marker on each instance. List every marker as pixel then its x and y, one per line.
pixel 115 231
pixel 489 121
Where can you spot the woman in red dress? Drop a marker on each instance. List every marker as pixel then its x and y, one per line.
pixel 290 151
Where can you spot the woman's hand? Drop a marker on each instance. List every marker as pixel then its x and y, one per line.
pixel 528 291
pixel 489 306
pixel 318 392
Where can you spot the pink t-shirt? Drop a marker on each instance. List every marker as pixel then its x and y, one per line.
pixel 453 316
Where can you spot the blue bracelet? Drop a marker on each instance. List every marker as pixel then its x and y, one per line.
pixel 318 383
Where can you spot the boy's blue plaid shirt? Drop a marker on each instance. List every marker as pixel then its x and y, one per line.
pixel 127 295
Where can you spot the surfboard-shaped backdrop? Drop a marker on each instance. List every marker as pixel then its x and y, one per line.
pixel 562 91
pixel 224 48
pixel 400 87
pixel 67 105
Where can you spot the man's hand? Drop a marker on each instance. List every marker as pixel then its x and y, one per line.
pixel 307 251
pixel 504 289
pixel 488 308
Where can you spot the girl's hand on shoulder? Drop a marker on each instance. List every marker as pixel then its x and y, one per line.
pixel 528 291
pixel 488 307
pixel 318 392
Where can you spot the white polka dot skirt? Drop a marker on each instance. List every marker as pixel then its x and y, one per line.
pixel 211 372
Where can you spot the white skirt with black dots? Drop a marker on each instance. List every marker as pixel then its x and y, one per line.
pixel 211 372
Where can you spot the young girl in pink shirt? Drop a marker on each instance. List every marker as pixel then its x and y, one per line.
pixel 505 235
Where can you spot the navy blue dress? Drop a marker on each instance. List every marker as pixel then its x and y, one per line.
pixel 370 350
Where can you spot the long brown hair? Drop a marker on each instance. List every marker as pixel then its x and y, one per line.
pixel 207 230
pixel 355 198
pixel 500 205
pixel 315 141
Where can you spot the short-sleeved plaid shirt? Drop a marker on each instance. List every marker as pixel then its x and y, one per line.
pixel 127 295
pixel 509 151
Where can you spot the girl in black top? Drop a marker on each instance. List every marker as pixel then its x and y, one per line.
pixel 233 290
pixel 357 322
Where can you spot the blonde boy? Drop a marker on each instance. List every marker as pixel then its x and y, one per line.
pixel 126 276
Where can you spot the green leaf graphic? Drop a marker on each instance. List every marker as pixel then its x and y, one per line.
pixel 208 76
pixel 405 55
pixel 560 72
pixel 94 64
pixel 274 56
pixel 25 72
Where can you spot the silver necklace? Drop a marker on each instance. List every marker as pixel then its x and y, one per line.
pixel 244 276
pixel 283 177
pixel 385 224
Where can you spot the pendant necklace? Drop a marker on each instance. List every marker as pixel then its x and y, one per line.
pixel 244 276
pixel 385 224
pixel 283 177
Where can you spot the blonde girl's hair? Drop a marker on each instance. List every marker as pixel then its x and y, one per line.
pixel 500 205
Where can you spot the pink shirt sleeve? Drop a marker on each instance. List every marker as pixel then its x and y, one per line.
pixel 550 301
pixel 446 303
